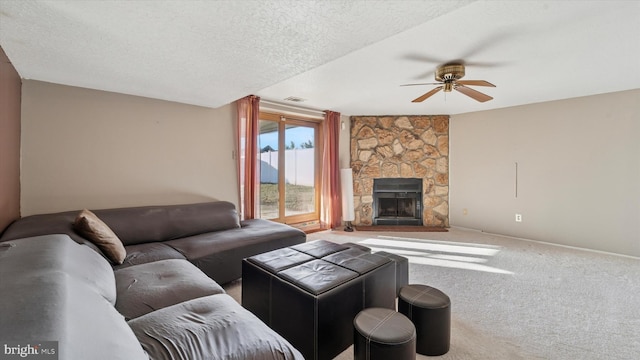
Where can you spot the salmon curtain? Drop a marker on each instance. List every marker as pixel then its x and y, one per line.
pixel 330 199
pixel 247 167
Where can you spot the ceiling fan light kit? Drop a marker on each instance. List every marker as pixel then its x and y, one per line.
pixel 448 77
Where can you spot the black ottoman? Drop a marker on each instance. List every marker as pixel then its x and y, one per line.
pixel 377 272
pixel 402 269
pixel 357 246
pixel 430 311
pixel 310 293
pixel 381 334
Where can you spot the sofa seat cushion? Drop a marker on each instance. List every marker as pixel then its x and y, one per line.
pixel 148 252
pixel 147 287
pixel 220 254
pixel 212 327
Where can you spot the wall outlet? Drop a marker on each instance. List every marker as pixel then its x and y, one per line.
pixel 518 217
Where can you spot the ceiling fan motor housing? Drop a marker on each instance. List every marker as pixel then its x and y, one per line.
pixel 450 72
pixel 449 76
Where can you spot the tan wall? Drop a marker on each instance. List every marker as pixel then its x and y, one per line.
pixel 578 171
pixel 10 85
pixel 94 149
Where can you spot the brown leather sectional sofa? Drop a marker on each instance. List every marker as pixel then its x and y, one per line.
pixel 164 302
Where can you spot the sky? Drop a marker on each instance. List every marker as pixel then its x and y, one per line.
pixel 298 135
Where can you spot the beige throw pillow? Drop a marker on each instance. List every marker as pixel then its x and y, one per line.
pixel 91 227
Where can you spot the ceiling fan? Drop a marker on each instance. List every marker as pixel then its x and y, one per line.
pixel 448 77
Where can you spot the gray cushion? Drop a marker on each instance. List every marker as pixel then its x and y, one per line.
pixel 22 258
pixel 148 252
pixel 56 290
pixel 212 327
pixel 152 286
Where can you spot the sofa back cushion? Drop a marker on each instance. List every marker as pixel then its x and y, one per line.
pixel 137 225
pixel 44 224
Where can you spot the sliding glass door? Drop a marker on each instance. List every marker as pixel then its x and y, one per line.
pixel 289 154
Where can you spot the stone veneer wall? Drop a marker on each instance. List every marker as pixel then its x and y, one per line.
pixel 401 147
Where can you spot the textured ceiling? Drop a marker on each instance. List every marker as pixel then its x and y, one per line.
pixel 349 56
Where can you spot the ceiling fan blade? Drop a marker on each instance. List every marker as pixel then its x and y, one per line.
pixel 428 59
pixel 425 75
pixel 425 96
pixel 475 83
pixel 436 83
pixel 490 41
pixel 476 95
pixel 422 58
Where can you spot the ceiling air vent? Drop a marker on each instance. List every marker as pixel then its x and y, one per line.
pixel 295 99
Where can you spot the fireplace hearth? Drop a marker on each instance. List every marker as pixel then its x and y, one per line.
pixel 397 201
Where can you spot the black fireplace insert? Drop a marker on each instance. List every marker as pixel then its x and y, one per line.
pixel 397 201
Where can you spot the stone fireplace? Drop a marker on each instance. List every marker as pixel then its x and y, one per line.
pixel 397 148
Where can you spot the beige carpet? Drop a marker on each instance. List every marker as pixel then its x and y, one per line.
pixel 516 299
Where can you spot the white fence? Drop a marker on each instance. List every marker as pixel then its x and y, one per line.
pixel 299 169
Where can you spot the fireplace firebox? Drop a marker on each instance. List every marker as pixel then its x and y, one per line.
pixel 397 201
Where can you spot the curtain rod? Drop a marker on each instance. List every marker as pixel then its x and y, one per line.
pixel 300 108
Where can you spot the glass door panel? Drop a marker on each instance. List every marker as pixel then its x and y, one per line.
pixel 288 169
pixel 300 164
pixel 268 144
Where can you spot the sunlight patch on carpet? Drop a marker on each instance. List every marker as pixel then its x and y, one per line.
pixel 439 253
pixel 427 245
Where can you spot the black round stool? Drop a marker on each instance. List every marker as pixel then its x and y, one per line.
pixel 382 334
pixel 430 311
